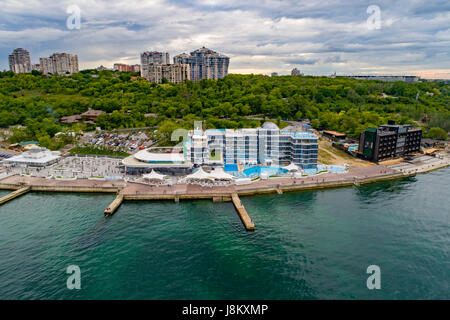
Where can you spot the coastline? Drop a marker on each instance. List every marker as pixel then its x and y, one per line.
pixel 135 191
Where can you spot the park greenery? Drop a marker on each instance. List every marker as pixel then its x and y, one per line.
pixel 36 102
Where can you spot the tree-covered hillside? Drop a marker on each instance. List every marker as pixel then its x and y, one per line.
pixel 340 104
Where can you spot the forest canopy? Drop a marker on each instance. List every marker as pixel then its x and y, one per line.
pixel 340 104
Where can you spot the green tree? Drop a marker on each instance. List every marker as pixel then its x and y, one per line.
pixel 437 133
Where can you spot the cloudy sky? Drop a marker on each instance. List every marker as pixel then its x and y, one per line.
pixel 261 36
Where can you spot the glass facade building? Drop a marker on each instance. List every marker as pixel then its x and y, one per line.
pixel 267 145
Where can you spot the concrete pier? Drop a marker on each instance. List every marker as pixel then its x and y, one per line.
pixel 246 220
pixel 114 205
pixel 14 194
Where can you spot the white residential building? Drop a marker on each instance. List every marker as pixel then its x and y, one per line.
pixel 19 61
pixel 266 145
pixel 60 63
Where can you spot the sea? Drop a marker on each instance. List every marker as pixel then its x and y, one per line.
pixel 307 245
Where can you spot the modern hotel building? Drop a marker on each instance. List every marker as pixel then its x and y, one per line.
pixel 389 141
pixel 267 145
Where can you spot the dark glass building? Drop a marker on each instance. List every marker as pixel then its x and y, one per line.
pixel 389 141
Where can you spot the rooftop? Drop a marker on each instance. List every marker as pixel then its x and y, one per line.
pixel 35 156
pixel 92 112
pixel 270 126
pixel 25 143
pixel 334 133
pixel 154 157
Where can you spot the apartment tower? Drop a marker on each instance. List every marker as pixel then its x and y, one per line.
pixel 19 61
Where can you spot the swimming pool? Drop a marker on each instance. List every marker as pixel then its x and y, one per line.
pixel 337 169
pixel 230 167
pixel 323 168
pixel 258 170
pixel 353 147
pixel 310 171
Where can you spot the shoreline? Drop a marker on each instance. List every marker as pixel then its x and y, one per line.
pixel 135 191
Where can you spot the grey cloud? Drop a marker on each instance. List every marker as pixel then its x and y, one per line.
pixel 317 35
pixel 300 61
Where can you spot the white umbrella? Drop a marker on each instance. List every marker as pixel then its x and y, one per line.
pixel 154 176
pixel 292 167
pixel 199 175
pixel 219 174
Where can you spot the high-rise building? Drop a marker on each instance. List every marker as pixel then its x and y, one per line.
pixel 295 72
pixel 205 63
pixel 46 65
pixel 152 57
pixel 155 66
pixel 389 141
pixel 19 61
pixel 266 145
pixel 176 73
pixel 60 63
pixel 127 68
pixel 148 57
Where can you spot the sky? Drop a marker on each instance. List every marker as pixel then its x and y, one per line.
pixel 263 36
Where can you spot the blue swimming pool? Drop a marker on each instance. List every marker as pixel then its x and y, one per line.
pixel 338 169
pixel 230 167
pixel 310 171
pixel 258 170
pixel 323 168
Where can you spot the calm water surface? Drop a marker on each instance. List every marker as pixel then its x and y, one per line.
pixel 308 245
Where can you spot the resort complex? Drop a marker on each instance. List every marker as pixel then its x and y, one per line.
pixel 219 164
pixel 237 149
pixel 267 145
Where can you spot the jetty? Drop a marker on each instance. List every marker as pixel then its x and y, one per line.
pixel 114 205
pixel 14 194
pixel 246 220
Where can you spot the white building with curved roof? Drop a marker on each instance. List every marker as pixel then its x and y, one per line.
pixel 171 161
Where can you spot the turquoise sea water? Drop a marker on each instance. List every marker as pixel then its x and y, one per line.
pixel 308 245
